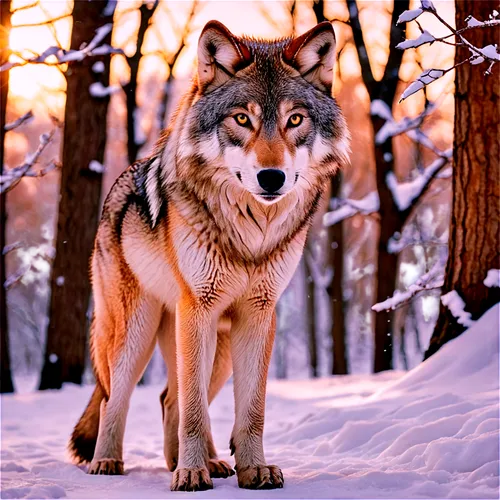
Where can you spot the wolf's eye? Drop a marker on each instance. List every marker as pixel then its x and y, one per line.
pixel 295 120
pixel 242 119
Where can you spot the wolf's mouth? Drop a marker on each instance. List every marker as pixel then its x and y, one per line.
pixel 269 197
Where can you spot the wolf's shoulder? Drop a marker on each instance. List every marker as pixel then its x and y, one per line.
pixel 140 187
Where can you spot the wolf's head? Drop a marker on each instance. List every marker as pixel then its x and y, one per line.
pixel 263 114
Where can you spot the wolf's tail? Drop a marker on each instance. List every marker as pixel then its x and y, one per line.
pixel 84 437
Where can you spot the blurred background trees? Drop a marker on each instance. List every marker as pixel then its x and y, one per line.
pixel 382 230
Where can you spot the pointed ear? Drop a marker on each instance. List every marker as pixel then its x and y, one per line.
pixel 313 55
pixel 220 56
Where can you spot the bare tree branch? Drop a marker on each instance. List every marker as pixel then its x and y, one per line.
pixel 359 42
pixel 11 177
pixel 171 62
pixel 135 139
pixel 65 56
pixel 17 123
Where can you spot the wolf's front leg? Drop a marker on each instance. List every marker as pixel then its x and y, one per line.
pixel 252 343
pixel 196 338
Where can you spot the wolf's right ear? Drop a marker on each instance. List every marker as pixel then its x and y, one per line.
pixel 313 55
pixel 220 56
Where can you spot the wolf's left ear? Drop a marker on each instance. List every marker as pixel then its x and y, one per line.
pixel 220 55
pixel 313 55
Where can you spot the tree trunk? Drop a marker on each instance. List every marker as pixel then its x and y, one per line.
pixel 6 380
pixel 474 229
pixel 311 317
pixel 335 292
pixel 391 218
pixel 84 141
pixel 336 257
pixel 391 221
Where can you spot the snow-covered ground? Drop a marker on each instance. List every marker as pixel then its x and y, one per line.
pixel 429 433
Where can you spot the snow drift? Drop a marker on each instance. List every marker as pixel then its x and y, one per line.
pixel 430 433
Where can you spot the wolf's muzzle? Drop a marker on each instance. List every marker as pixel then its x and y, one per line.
pixel 271 180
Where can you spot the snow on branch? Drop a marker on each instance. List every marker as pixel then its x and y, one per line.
pixel 407 125
pixel 492 278
pixel 411 236
pixel 343 209
pixel 26 118
pixel 432 280
pixel 11 177
pixel 97 89
pixel 405 193
pixel 490 53
pixel 456 305
pixel 425 78
pixel 94 48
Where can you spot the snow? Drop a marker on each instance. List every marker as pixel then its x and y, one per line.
pixel 472 22
pixel 409 15
pixel 456 305
pixel 98 67
pixel 428 5
pixel 492 278
pixel 425 37
pixel 432 432
pixel 97 89
pixel 139 135
pixel 109 10
pixel 407 125
pixel 380 108
pixel 490 52
pixel 427 77
pixel 96 166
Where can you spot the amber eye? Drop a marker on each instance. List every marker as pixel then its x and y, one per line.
pixel 242 119
pixel 295 120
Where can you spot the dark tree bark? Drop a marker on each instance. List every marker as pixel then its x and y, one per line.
pixel 134 143
pixel 311 315
pixel 336 259
pixel 474 244
pixel 6 384
pixel 84 141
pixel 335 292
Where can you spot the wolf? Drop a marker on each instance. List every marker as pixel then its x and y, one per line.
pixel 196 244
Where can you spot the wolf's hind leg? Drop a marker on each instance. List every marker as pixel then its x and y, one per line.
pixel 168 399
pixel 133 343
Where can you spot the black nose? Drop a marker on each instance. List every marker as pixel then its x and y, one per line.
pixel 271 179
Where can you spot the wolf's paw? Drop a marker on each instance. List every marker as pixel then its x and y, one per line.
pixel 107 467
pixel 260 477
pixel 219 468
pixel 191 480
